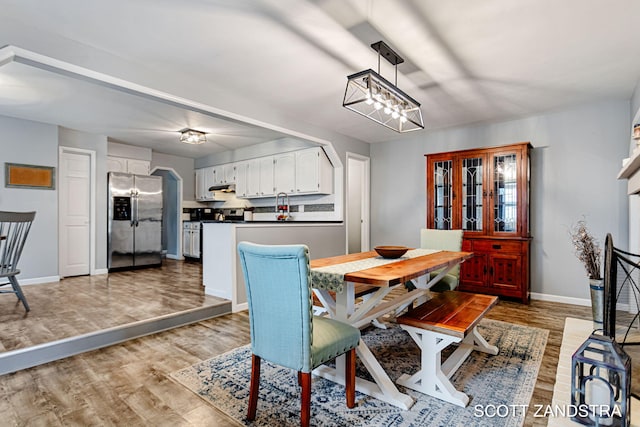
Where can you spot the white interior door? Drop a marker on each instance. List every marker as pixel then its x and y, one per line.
pixel 75 213
pixel 357 216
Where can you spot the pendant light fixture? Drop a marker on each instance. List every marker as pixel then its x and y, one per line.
pixel 371 95
pixel 191 136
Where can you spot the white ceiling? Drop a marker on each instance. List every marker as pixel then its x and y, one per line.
pixel 286 61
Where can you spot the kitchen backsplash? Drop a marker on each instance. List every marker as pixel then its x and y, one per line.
pixel 321 207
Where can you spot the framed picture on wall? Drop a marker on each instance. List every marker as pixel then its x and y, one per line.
pixel 29 176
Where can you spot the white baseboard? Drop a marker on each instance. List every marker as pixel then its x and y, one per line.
pixel 558 298
pixel 173 256
pixel 571 300
pixel 38 280
pixel 51 279
pixel 240 307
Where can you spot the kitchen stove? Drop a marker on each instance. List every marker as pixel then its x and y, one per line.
pixel 231 215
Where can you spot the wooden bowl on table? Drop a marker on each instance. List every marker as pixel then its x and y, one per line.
pixel 391 251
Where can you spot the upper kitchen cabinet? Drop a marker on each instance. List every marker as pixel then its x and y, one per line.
pixel 241 179
pixel 314 173
pixel 199 184
pixel 306 171
pixel 254 178
pixel 204 180
pixel 284 172
pixel 124 165
pixel 224 174
pixel 485 192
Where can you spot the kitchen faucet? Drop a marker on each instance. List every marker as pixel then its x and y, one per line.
pixel 283 209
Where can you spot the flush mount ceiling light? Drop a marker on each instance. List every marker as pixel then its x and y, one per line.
pixel 370 94
pixel 190 136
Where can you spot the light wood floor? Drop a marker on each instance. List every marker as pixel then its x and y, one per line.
pixel 79 305
pixel 128 384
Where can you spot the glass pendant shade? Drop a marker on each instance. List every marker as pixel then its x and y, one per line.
pixel 373 96
pixel 190 136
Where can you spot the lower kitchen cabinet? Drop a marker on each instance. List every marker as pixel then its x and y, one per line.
pixel 500 266
pixel 191 232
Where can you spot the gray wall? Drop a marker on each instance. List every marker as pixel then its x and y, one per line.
pixel 169 211
pixel 32 143
pixel 576 157
pixel 635 101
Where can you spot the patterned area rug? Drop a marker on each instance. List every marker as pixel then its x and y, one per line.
pixel 491 382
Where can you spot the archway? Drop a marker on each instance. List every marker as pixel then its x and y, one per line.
pixel 171 211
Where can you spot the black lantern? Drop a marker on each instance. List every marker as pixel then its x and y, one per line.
pixel 601 383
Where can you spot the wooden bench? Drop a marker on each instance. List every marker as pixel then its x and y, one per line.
pixel 448 317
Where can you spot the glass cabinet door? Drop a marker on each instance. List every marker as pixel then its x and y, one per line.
pixel 504 193
pixel 442 194
pixel 472 194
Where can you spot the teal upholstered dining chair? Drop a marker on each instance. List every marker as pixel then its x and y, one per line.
pixel 446 240
pixel 284 330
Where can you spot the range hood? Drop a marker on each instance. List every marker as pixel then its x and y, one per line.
pixel 225 188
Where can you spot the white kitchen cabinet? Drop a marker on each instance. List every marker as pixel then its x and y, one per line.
pixel 199 184
pixel 116 164
pixel 284 172
pixel 229 173
pixel 204 180
pixel 314 173
pixel 303 172
pixel 138 167
pixel 259 178
pixel 307 171
pixel 224 174
pixel 267 188
pixel 241 179
pixel 218 175
pixel 209 180
pixel 191 239
pixel 253 178
pixel 124 165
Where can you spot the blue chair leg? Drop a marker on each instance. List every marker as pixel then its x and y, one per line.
pixel 18 291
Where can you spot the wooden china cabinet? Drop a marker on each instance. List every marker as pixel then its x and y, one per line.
pixel 485 192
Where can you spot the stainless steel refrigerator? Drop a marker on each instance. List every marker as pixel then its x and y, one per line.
pixel 135 221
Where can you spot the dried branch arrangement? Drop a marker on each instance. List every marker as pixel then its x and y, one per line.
pixel 587 249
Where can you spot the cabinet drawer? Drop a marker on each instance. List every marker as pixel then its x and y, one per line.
pixel 497 245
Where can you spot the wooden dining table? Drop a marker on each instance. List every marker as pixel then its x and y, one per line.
pixel 336 281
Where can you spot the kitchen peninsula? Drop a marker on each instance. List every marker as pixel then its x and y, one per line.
pixel 221 271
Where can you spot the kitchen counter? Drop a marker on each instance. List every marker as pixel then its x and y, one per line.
pixel 269 222
pixel 221 271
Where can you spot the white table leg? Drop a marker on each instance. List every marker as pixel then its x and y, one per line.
pixel 430 379
pixel 480 344
pixel 382 388
pixel 327 301
pixel 433 377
